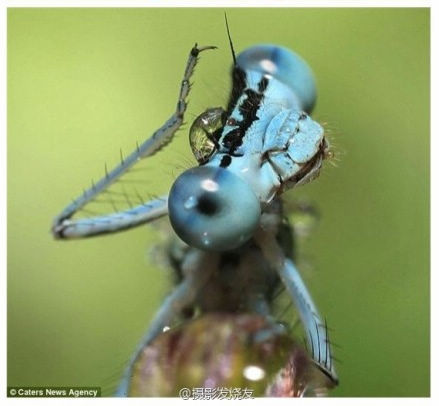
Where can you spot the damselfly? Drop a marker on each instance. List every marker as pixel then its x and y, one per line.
pixel 234 241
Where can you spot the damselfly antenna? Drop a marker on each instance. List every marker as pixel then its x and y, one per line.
pixel 230 40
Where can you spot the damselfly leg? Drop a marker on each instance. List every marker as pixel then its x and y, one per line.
pixel 63 227
pixel 316 329
pixel 196 268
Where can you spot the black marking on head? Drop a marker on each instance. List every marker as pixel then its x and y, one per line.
pixel 226 160
pixel 262 85
pixel 215 136
pixel 238 86
pixel 248 110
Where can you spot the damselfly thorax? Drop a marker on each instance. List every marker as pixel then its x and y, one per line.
pixel 234 247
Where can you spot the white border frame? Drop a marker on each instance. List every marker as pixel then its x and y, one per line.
pixel 226 4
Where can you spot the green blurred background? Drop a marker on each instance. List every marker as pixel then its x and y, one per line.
pixel 83 83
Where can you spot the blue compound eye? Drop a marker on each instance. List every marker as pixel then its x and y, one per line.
pixel 284 65
pixel 213 209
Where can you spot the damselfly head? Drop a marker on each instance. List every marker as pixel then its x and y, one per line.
pixel 264 143
pixel 210 207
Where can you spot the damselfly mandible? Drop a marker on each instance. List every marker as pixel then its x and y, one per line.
pixel 228 211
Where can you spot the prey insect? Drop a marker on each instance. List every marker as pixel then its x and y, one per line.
pixel 232 252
